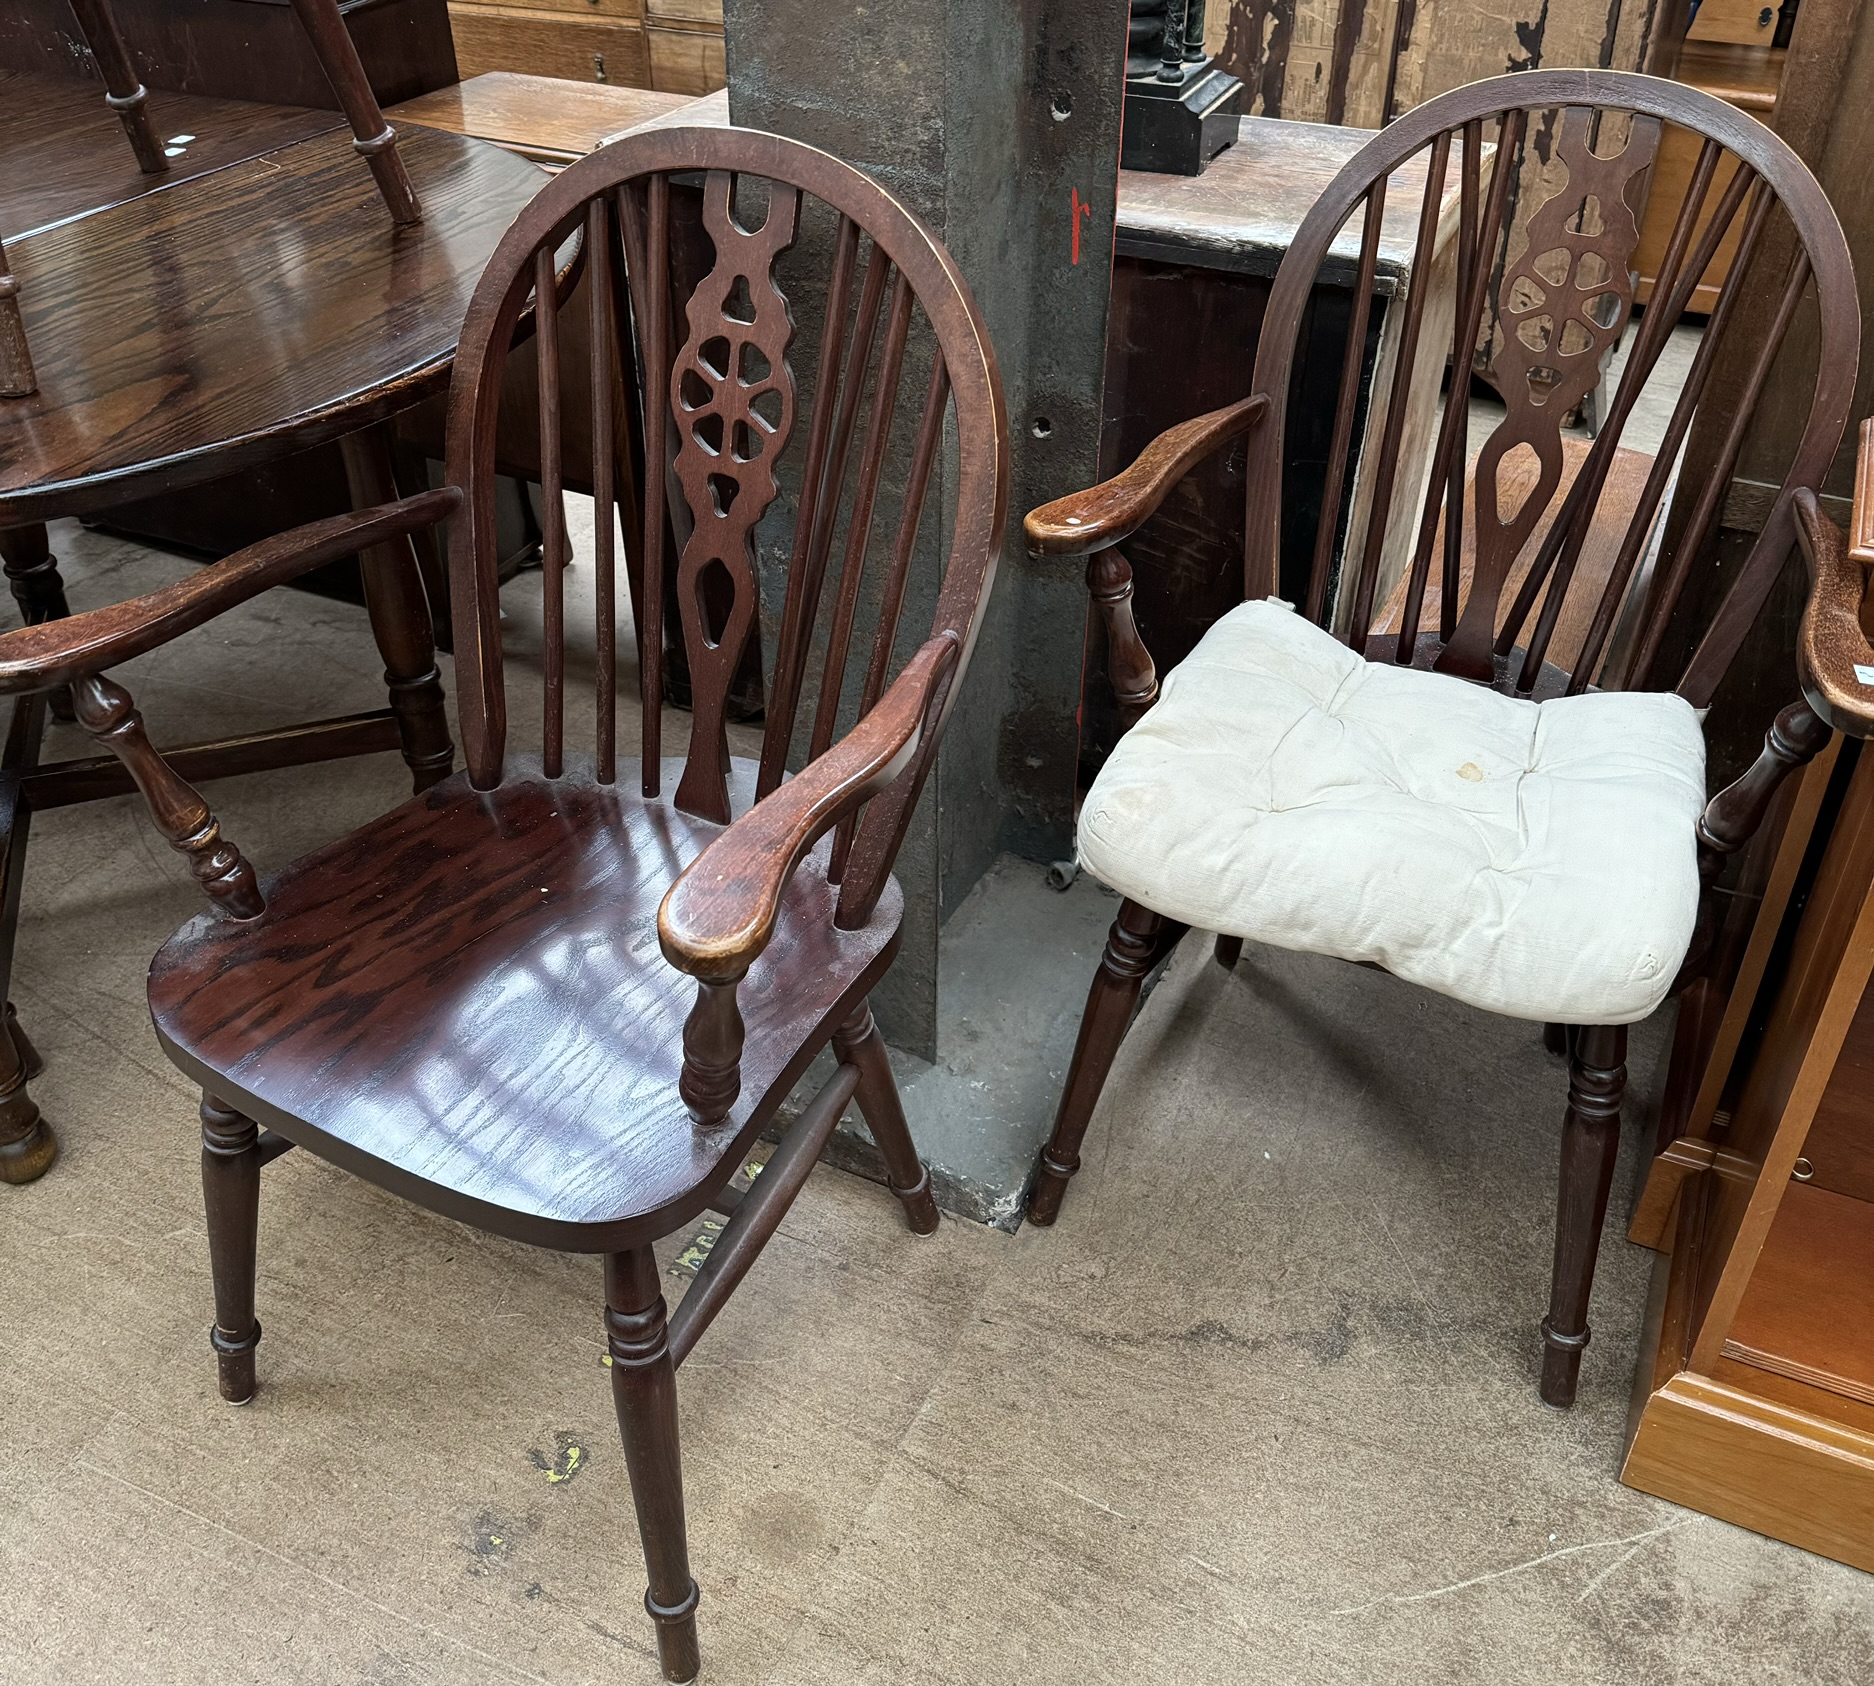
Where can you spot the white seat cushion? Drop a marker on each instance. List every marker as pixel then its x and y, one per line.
pixel 1535 859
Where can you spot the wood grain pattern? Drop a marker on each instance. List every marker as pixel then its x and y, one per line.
pixel 62 154
pixel 376 1018
pixel 721 912
pixel 1765 1466
pixel 541 117
pixel 188 332
pixel 686 61
pixel 1828 973
pixel 1809 1310
pixel 55 652
pixel 579 49
pixel 1106 514
pixel 1833 649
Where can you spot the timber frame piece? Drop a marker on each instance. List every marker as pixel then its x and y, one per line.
pixel 647 955
pixel 1723 1420
pixel 1498 589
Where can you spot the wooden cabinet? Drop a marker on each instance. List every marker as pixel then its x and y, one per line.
pixel 1728 52
pixel 672 45
pixel 1755 1397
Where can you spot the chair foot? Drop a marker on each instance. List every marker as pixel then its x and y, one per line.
pixel 1229 950
pixel 858 1043
pixel 1561 1365
pixel 1597 1080
pixel 644 1391
pixel 231 1196
pixel 1133 947
pixel 1555 1038
pixel 27 1144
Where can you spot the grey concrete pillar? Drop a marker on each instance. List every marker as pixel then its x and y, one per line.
pixel 998 121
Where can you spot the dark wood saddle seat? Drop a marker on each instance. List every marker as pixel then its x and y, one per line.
pixel 465 1002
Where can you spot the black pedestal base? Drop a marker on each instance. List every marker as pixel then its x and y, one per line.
pixel 1176 128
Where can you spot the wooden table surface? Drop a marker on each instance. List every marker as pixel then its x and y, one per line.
pixel 269 305
pixel 1242 213
pixel 542 117
pixel 63 152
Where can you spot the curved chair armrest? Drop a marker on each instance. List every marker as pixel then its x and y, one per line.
pixel 1102 515
pixel 1833 648
pixel 34 658
pixel 718 917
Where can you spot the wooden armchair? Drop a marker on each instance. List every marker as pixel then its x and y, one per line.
pixel 1441 761
pixel 560 997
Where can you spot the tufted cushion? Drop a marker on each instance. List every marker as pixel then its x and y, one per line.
pixel 1535 859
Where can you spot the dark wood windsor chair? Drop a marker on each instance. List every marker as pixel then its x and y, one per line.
pixel 557 997
pixel 1418 810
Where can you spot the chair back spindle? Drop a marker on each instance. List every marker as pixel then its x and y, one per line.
pixel 902 365
pixel 1551 576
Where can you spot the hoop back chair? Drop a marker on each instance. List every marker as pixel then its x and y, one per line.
pixel 1455 776
pixel 559 996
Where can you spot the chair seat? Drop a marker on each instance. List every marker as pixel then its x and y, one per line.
pixel 1535 859
pixel 465 1002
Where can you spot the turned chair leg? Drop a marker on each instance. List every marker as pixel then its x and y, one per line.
pixel 858 1043
pixel 1597 1079
pixel 1133 946
pixel 1229 950
pixel 644 1390
pixel 231 1194
pixel 32 573
pixel 27 1145
pixel 400 619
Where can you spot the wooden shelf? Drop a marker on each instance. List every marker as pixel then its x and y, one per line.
pixel 1809 1311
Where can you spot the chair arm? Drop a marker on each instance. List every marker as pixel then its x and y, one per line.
pixel 1102 515
pixel 35 658
pixel 1833 648
pixel 718 917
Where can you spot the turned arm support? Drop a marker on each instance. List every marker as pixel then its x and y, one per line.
pixel 1834 638
pixel 74 650
pixel 719 916
pixel 1093 522
pixel 1115 509
pixel 60 652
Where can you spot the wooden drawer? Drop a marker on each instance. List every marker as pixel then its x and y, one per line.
pixel 549 44
pixel 694 14
pixel 1747 23
pixel 686 61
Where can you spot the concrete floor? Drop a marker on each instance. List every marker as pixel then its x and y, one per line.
pixel 1260 1409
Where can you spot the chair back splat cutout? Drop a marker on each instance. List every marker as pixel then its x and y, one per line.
pixel 695 406
pixel 1555 563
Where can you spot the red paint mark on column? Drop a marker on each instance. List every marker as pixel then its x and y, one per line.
pixel 1080 209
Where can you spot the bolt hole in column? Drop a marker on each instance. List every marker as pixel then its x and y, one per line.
pixel 1042 428
pixel 1063 106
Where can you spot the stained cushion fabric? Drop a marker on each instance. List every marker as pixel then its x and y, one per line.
pixel 1535 859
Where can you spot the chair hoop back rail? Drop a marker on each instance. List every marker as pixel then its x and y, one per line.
pixel 1481 569
pixel 460 1001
